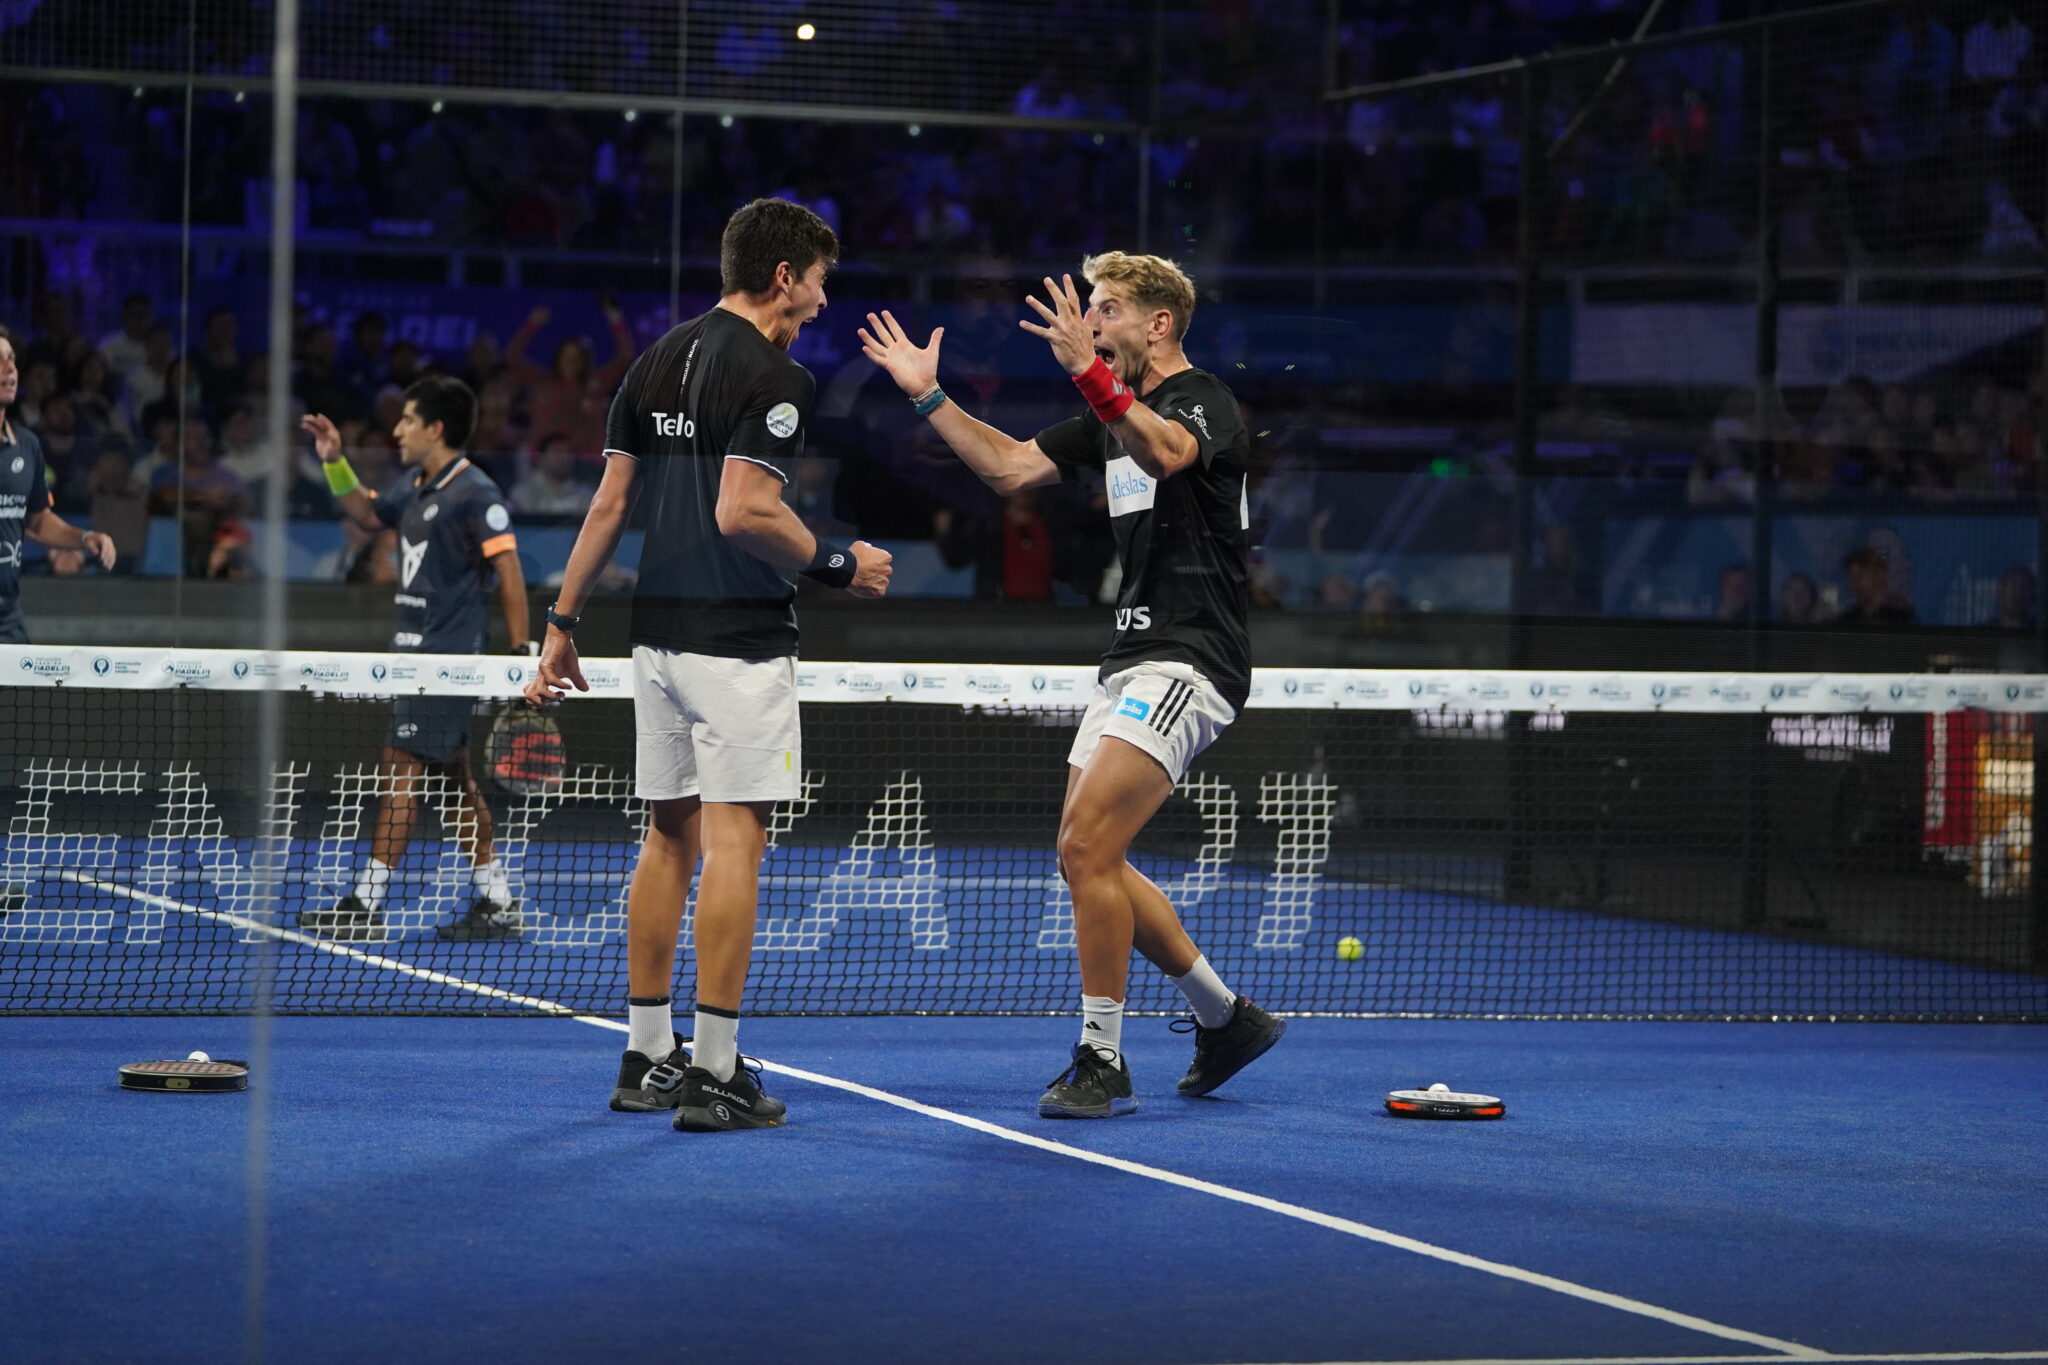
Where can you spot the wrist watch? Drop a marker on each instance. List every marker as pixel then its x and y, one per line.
pixel 565 624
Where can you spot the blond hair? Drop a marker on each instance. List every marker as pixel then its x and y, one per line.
pixel 1148 282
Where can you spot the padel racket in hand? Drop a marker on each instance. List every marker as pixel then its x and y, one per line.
pixel 1441 1102
pixel 186 1075
pixel 525 753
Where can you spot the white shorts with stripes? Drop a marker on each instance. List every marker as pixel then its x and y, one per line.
pixel 717 728
pixel 1169 710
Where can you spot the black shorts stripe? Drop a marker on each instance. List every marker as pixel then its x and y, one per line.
pixel 1158 719
pixel 1178 707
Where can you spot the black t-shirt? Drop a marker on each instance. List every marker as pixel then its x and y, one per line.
pixel 1181 541
pixel 447 529
pixel 23 493
pixel 714 389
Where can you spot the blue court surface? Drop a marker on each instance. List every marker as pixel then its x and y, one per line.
pixel 455 1190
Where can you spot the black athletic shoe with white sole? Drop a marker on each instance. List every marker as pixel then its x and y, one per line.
pixel 709 1105
pixel 1221 1053
pixel 488 921
pixel 1093 1087
pixel 350 921
pixel 647 1086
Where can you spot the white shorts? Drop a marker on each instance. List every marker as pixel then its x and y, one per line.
pixel 721 729
pixel 1167 709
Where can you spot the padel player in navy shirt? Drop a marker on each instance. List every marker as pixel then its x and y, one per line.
pixel 25 505
pixel 454 534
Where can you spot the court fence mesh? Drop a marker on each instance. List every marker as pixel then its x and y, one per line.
pixel 1579 845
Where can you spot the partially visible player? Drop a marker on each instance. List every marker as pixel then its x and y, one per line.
pixel 1172 448
pixel 454 534
pixel 25 505
pixel 708 426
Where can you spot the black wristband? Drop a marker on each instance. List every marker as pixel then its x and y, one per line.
pixel 832 565
pixel 565 624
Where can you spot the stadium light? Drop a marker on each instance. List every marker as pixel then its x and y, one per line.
pixel 806 32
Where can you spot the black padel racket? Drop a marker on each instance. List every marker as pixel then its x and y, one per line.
pixel 525 754
pixel 1443 1104
pixel 188 1077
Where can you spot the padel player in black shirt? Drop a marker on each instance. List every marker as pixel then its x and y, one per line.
pixel 454 534
pixel 1172 449
pixel 706 431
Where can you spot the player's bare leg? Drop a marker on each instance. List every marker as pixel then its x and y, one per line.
pixel 660 889
pixel 654 917
pixel 717 1094
pixel 493 915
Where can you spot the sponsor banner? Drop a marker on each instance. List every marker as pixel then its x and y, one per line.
pixel 1056 686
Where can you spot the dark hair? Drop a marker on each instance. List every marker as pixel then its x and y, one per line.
pixel 762 236
pixel 540 447
pixel 137 297
pixel 439 398
pixel 1865 557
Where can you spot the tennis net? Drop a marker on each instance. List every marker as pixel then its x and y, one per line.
pixel 1658 845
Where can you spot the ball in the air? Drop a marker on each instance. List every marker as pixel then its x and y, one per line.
pixel 1440 1086
pixel 1349 949
pixel 198 1057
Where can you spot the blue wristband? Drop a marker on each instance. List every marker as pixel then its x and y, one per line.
pixel 930 403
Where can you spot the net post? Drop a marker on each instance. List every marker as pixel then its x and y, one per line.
pixel 1517 867
pixel 1763 432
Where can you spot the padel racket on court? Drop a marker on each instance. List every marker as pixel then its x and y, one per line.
pixel 525 753
pixel 1443 1104
pixel 187 1076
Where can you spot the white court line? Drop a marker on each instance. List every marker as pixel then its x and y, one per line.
pixel 1307 1215
pixel 1785 1349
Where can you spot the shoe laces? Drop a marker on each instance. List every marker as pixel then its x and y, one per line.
pixel 1205 1038
pixel 1086 1056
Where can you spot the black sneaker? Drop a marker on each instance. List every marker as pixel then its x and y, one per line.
pixel 1221 1053
pixel 1091 1088
pixel 647 1086
pixel 709 1105
pixel 350 921
pixel 487 921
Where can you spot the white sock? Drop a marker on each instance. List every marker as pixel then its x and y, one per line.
pixel 371 885
pixel 491 882
pixel 653 1033
pixel 717 1046
pixel 1102 1024
pixel 1212 1000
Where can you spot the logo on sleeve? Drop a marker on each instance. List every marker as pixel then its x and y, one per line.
pixel 497 518
pixel 1197 418
pixel 1134 708
pixel 782 419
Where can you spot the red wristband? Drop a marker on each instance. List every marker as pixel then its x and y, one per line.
pixel 1104 392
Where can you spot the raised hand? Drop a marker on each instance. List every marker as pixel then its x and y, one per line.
pixel 326 438
pixel 914 368
pixel 1066 325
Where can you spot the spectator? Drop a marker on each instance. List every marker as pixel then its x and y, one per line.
pixel 483 362
pixel 363 365
pixel 147 382
pixel 1870 585
pixel 120 507
pixel 1733 594
pixel 551 488
pixel 401 364
pixel 318 386
pixel 220 370
pixel 1382 606
pixel 179 398
pixel 2016 600
pixel 1027 550
pixel 125 349
pixel 569 396
pixel 68 453
pixel 1799 602
pixel 1995 46
pixel 204 492
pixel 92 400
